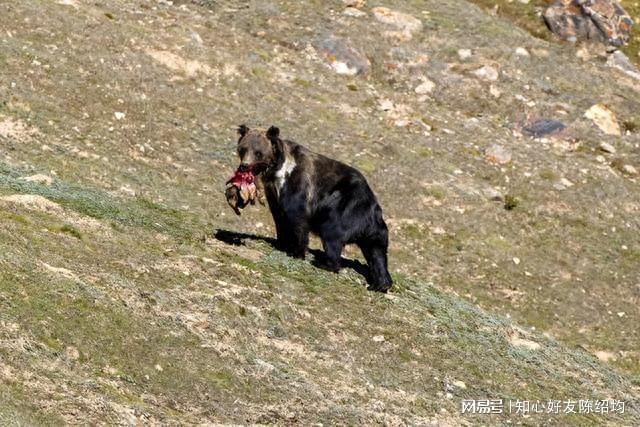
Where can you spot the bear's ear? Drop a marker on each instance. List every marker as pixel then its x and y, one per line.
pixel 273 133
pixel 242 130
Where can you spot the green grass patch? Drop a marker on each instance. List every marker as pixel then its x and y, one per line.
pixel 138 212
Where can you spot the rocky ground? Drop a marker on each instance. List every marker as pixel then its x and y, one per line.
pixel 507 167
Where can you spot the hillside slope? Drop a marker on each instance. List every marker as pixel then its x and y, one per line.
pixel 130 292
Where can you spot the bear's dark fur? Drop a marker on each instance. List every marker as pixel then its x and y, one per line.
pixel 308 192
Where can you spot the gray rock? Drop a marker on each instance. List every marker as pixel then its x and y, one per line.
pixel 342 57
pixel 544 127
pixel 620 61
pixel 353 12
pixel 607 148
pixel 487 73
pixel 599 20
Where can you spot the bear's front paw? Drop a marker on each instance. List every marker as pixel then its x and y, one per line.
pixel 297 253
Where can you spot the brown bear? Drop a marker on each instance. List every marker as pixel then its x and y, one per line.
pixel 308 192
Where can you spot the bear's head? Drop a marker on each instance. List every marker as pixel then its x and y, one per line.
pixel 258 150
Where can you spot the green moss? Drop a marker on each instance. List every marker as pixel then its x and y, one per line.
pixel 511 202
pixel 67 229
pixel 548 174
pixel 366 165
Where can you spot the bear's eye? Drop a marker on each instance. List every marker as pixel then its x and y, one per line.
pixel 258 155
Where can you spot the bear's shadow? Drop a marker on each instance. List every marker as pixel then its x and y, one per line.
pixel 238 239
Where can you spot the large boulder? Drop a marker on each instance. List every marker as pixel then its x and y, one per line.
pixel 598 20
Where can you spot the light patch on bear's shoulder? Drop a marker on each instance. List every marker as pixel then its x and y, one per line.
pixel 283 173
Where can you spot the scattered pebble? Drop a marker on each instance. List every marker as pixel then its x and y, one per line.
pixel 630 170
pixel 498 154
pixel 378 338
pixel 605 356
pixel 72 353
pixel 494 91
pixel 487 72
pixel 459 384
pixel 522 52
pixel 353 12
pixel 425 87
pixel 464 54
pixel 607 148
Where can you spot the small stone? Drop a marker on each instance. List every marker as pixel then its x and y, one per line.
pixel 604 118
pixel 425 87
pixel 109 370
pixel 493 194
pixel 72 353
pixel 583 53
pixel 605 356
pixel 378 338
pixel 459 384
pixel 487 73
pixel 353 12
pixel 464 54
pixel 498 154
pixel 385 105
pixel 494 91
pixel 158 368
pixel 516 260
pixel 607 148
pixel 119 115
pixel 564 181
pixel 540 53
pixel 630 170
pixel 438 231
pixel 522 52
